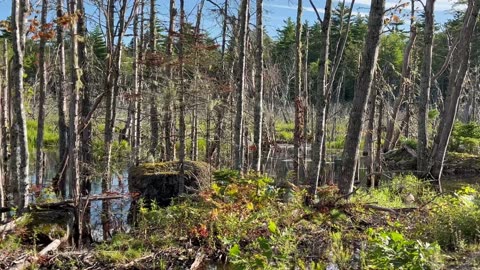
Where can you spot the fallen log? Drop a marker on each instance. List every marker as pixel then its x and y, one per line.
pixel 69 202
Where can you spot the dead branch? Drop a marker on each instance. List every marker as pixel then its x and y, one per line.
pixel 24 264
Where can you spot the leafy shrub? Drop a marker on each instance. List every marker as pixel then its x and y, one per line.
pixel 393 193
pixel 453 220
pixel 391 250
pixel 465 138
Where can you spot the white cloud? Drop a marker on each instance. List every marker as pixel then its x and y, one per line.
pixel 294 7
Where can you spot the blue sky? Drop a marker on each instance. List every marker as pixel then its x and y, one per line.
pixel 276 11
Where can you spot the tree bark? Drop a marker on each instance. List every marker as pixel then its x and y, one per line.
pixel 39 170
pixel 182 126
pixel 298 139
pixel 240 87
pixel 425 84
pixel 459 67
pixel 321 102
pixel 154 120
pixel 362 92
pixel 368 146
pixel 61 90
pixel 258 113
pixel 168 119
pixel 19 162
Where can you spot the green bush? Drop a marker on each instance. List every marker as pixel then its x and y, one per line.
pixel 391 250
pixel 465 138
pixel 453 220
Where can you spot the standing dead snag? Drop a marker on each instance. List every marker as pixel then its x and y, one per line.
pixel 258 114
pixel 298 139
pixel 425 84
pixel 240 87
pixel 321 101
pixel 458 70
pixel 39 170
pixel 19 181
pixel 362 92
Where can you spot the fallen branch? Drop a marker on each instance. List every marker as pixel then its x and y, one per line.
pixel 132 263
pixel 395 211
pixel 23 264
pixel 198 261
pixel 380 208
pixel 9 226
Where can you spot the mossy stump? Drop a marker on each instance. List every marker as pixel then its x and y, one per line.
pixel 160 181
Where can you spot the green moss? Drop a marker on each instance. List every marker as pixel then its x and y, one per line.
pixel 169 168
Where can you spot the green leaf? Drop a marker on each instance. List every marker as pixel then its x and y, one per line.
pixel 234 251
pixel 272 227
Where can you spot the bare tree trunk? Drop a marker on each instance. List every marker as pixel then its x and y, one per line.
pixel 362 92
pixel 425 84
pixel 258 113
pixel 368 146
pixel 4 126
pixel 220 109
pixel 39 170
pixel 298 140
pixel 140 67
pixel 321 102
pixel 404 84
pixel 240 87
pixel 115 35
pixel 61 98
pixel 459 66
pixel 182 126
pixel 168 120
pixel 154 120
pixel 3 144
pixel 135 99
pixel 74 115
pixel 194 130
pixel 18 140
pixel 378 157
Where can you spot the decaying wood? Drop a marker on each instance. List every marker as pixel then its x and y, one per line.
pixel 132 263
pixel 198 261
pixel 24 263
pixel 68 202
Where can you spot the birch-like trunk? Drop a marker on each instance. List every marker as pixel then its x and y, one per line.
pixel 240 87
pixel 19 161
pixel 258 113
pixel 60 84
pixel 362 92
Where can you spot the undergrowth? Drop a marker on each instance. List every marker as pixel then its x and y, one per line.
pixel 246 223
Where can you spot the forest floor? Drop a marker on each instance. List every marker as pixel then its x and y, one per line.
pixel 249 223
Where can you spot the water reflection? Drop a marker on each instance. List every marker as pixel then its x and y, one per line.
pixel 119 207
